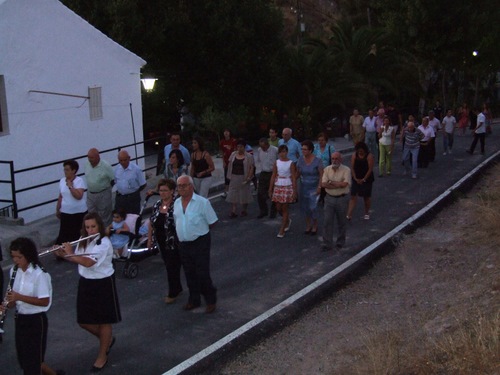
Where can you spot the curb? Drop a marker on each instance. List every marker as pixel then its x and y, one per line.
pixel 211 358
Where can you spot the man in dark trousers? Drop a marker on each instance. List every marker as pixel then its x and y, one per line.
pixel 194 216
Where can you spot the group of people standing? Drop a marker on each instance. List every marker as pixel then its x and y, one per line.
pixel 379 130
pixel 290 171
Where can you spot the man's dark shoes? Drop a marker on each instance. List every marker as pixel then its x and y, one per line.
pixel 190 306
pixel 326 248
pixel 210 308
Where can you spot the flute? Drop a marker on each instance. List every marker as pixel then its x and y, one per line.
pixel 59 247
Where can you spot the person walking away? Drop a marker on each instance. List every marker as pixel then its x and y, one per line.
pixel 336 180
pixel 194 216
pixel 479 132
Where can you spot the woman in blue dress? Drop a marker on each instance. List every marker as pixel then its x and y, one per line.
pixel 310 171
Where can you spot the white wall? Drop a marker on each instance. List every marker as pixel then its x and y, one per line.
pixel 47 47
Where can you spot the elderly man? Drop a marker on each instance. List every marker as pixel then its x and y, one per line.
pixel 337 182
pixel 294 147
pixel 194 216
pixel 424 154
pixel 266 158
pixel 100 179
pixel 412 137
pixel 129 180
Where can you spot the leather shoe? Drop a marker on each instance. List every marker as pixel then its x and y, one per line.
pixel 210 308
pixel 261 216
pixel 190 306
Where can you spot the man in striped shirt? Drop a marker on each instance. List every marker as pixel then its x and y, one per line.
pixel 412 137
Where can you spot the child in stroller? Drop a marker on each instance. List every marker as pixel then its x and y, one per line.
pixel 115 230
pixel 135 250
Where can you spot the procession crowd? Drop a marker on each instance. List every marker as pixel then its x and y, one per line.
pixel 93 229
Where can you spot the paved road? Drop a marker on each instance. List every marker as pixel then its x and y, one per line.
pixel 252 269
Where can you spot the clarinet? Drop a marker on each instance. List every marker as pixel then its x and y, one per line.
pixel 5 302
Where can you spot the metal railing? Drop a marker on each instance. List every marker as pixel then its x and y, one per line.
pixel 12 207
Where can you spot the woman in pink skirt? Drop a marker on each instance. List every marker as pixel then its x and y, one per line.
pixel 283 187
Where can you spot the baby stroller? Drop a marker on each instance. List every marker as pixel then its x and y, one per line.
pixel 136 250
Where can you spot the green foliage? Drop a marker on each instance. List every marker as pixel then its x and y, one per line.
pixel 231 55
pixel 216 121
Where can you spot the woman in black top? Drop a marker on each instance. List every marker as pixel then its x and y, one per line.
pixel 202 167
pixel 162 232
pixel 362 163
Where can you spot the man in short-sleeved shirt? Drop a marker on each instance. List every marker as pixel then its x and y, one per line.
pixel 337 182
pixel 100 179
pixel 129 180
pixel 479 132
pixel 194 215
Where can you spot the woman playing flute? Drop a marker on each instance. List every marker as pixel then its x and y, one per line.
pixel 31 293
pixel 97 301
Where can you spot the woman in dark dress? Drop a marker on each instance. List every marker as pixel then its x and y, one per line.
pixel 362 163
pixel 162 233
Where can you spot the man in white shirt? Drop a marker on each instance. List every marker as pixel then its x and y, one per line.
pixel 129 180
pixel 449 123
pixel 479 132
pixel 435 124
pixel 194 216
pixel 265 159
pixel 371 132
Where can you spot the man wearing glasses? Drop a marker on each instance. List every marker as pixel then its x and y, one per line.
pixel 194 216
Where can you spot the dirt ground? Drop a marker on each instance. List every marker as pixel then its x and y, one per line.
pixel 430 307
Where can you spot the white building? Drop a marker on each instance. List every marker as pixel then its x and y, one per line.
pixel 64 87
